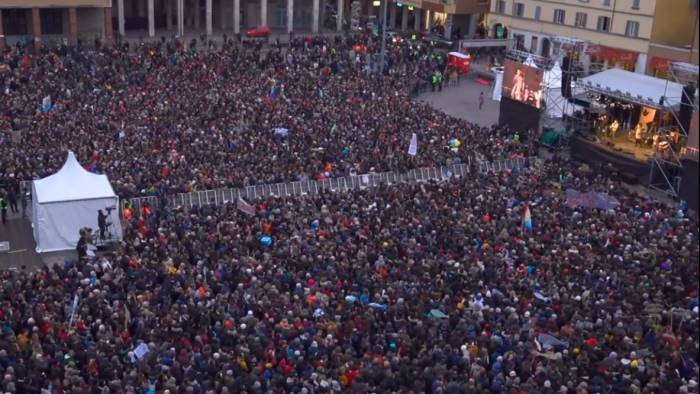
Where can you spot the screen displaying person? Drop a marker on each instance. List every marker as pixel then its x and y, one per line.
pixel 538 97
pixel 518 86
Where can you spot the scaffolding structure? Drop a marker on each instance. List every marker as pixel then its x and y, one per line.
pixel 558 113
pixel 666 171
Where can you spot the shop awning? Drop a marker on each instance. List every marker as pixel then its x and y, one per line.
pixel 612 54
pixel 483 43
pixel 660 63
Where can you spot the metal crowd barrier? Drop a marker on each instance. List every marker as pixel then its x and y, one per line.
pixel 341 184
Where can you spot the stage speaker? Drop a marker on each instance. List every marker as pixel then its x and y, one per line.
pixel 566 77
pixel 686 112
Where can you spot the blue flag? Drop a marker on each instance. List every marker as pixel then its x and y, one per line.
pixel 46 104
pixel 527 219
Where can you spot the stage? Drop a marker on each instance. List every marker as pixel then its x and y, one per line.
pixel 629 161
pixel 624 143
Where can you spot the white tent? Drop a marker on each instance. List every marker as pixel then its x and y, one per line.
pixel 552 94
pixel 67 201
pixel 497 83
pixel 530 62
pixel 552 77
pixel 459 55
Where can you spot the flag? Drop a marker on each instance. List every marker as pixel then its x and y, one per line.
pixel 74 307
pixel 46 104
pixel 527 219
pixel 413 146
pixel 274 92
pixel 244 207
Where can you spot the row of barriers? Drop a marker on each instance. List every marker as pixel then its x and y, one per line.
pixel 340 184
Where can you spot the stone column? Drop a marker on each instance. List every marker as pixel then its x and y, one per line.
pixel 236 16
pixel 263 13
pixel 109 29
pixel 392 15
pixel 120 16
pixel 151 19
pixel 181 18
pixel 339 16
pixel 2 33
pixel 168 14
pixel 290 16
pixel 641 65
pixel 36 28
pixel 314 16
pixel 448 27
pixel 416 19
pixel 404 18
pixel 72 26
pixel 208 16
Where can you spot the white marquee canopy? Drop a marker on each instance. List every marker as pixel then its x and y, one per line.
pixel 67 201
pixel 635 87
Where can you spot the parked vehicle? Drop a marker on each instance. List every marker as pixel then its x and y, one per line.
pixel 258 32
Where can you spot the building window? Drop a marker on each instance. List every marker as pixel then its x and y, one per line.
pixel 635 4
pixel 519 41
pixel 559 16
pixel 538 13
pixel 632 29
pixel 606 3
pixel 533 44
pixel 501 7
pixel 603 24
pixel 581 19
pixel 518 9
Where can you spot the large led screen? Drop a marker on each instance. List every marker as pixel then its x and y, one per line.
pixel 523 83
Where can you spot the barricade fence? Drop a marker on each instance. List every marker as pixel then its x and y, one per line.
pixel 340 184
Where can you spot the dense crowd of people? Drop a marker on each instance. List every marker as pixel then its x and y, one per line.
pixel 160 118
pixel 410 288
pixel 424 288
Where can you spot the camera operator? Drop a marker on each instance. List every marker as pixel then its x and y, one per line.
pixel 101 223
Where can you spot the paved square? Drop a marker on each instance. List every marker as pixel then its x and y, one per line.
pixel 463 102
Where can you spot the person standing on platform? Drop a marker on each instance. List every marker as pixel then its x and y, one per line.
pixel 101 223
